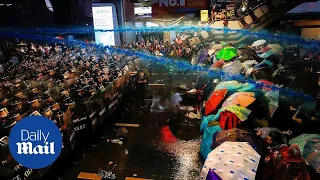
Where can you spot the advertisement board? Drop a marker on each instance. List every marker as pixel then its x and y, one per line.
pixel 204 15
pixel 142 10
pixel 168 7
pixel 103 20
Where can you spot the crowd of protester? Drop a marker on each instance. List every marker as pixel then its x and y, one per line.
pixel 55 79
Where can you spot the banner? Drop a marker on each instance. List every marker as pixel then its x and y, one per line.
pixel 204 16
pixel 171 7
pixel 231 12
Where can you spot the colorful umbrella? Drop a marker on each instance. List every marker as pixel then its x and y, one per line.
pixel 208 132
pixel 217 46
pixel 227 53
pixel 214 100
pixel 212 175
pixel 238 135
pixel 311 153
pixel 232 160
pixel 230 85
pixel 243 99
pixel 267 54
pixel 277 48
pixel 258 43
pixel 302 140
pixel 273 101
pixel 241 112
pixel 223 43
pixel 234 67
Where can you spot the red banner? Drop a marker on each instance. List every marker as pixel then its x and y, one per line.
pixel 171 7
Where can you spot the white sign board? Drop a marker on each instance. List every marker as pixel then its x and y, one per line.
pixel 103 20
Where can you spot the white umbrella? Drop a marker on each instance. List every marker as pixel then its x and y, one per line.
pixel 217 46
pixel 232 161
pixel 258 43
pixel 204 34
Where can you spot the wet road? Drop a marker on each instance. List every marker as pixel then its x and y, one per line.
pixel 154 152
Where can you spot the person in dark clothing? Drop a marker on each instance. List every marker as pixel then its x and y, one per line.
pixel 142 82
pixel 304 122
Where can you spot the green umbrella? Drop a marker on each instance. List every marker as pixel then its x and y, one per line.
pixel 302 140
pixel 227 53
pixel 223 43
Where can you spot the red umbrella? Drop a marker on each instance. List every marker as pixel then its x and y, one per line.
pixel 214 100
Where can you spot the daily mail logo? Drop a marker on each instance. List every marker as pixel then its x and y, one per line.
pixel 26 145
pixel 35 142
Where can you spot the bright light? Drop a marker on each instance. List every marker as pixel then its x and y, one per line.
pixel 243 9
pixel 103 20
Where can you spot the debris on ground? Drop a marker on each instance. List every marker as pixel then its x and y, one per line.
pixel 115 141
pixel 93 145
pixel 107 174
pixel 126 151
pixel 122 133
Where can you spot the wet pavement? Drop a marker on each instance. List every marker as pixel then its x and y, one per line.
pixel 152 151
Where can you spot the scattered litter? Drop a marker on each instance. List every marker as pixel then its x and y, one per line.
pixel 92 145
pixel 135 175
pixel 110 162
pixel 115 141
pixel 107 174
pixel 126 151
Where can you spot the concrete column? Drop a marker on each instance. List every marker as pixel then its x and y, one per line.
pixel 130 35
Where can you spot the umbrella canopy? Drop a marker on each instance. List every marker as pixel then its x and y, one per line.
pixel 267 54
pixel 246 53
pixel 238 135
pixel 214 100
pixel 232 160
pixel 223 43
pixel 217 46
pixel 230 85
pixel 212 175
pixel 258 43
pixel 273 101
pixel 208 132
pixel 234 67
pixel 302 140
pixel 277 48
pixel 214 48
pixel 203 56
pixel 243 99
pixel 227 53
pixel 311 153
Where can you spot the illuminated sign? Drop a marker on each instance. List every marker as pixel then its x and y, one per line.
pixel 167 3
pixel 103 20
pixel 142 10
pixel 204 16
pixel 167 7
